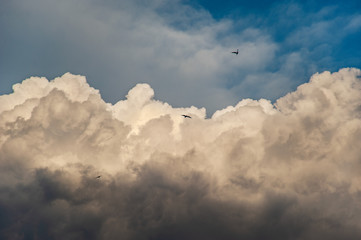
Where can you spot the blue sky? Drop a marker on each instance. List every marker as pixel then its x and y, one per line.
pixel 181 48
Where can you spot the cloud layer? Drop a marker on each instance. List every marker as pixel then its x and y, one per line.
pixel 179 45
pixel 167 45
pixel 252 171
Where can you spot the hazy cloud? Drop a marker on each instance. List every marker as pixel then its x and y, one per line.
pixel 178 45
pixel 254 170
pixel 117 44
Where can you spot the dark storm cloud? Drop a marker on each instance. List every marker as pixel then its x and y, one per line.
pixel 252 171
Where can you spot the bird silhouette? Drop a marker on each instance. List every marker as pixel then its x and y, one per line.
pixel 98 177
pixel 236 52
pixel 186 116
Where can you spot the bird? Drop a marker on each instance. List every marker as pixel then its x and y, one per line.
pixel 236 52
pixel 186 116
pixel 98 177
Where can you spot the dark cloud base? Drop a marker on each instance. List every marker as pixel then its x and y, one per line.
pixel 153 208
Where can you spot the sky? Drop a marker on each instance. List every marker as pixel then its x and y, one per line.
pixel 98 88
pixel 181 48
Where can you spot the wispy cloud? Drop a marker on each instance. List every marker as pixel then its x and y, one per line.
pixel 177 46
pixel 170 46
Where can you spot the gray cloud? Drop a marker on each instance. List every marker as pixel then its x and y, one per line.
pixel 118 44
pixel 253 170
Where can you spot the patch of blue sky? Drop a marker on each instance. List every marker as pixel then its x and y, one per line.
pixel 325 34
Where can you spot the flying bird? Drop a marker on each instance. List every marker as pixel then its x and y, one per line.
pixel 98 177
pixel 236 52
pixel 186 116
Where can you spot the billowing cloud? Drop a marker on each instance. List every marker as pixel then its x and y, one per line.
pixel 256 170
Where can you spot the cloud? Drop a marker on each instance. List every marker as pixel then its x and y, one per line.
pixel 256 170
pixel 178 45
pixel 165 45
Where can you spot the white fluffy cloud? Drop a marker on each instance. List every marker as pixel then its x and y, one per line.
pixel 254 170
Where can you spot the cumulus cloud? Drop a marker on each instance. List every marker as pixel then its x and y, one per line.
pixel 256 170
